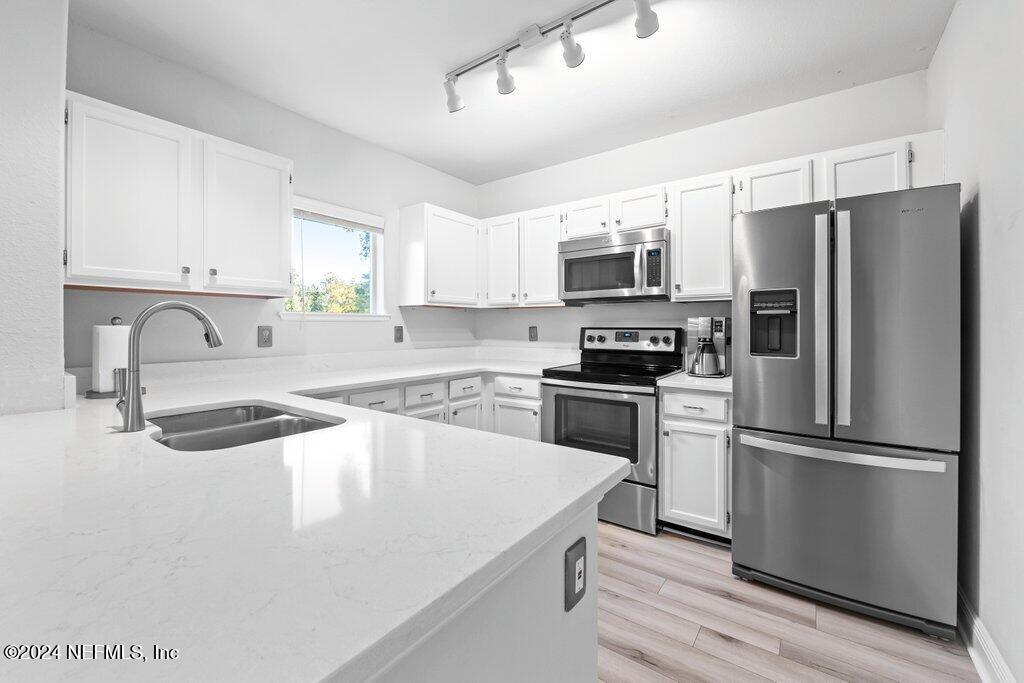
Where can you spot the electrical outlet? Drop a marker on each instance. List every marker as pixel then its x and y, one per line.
pixel 575 573
pixel 533 333
pixel 264 336
pixel 399 334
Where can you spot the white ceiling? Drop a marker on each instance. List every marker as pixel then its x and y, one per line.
pixel 374 68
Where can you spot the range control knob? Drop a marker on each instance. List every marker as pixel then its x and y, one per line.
pixel 667 340
pixel 600 339
pixel 590 337
pixel 654 340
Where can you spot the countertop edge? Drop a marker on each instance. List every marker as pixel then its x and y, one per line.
pixel 379 655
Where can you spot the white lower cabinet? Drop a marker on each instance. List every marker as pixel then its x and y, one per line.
pixel 468 413
pixel 517 417
pixel 694 476
pixel 433 414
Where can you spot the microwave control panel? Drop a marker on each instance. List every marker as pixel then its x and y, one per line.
pixel 653 276
pixel 636 339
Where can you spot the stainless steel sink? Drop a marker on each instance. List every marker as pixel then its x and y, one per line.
pixel 208 430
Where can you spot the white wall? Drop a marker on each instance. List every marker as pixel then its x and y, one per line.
pixel 33 43
pixel 876 111
pixel 975 94
pixel 329 165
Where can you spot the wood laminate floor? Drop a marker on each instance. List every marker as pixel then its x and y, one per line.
pixel 669 609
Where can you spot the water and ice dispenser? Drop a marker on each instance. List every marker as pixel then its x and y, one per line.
pixel 774 316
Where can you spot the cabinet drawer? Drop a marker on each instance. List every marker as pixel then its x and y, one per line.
pixel 696 406
pixel 382 399
pixel 422 394
pixel 467 386
pixel 517 386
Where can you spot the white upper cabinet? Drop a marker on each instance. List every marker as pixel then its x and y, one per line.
pixel 247 215
pixel 700 216
pixel 129 197
pixel 639 209
pixel 538 257
pixel 440 257
pixel 784 183
pixel 867 169
pixel 154 205
pixel 502 237
pixel 585 218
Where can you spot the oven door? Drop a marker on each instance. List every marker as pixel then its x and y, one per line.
pixel 610 420
pixel 602 273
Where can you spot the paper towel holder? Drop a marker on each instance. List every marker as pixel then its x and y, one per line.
pixel 90 393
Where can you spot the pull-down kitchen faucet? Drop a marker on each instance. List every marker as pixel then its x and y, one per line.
pixel 127 381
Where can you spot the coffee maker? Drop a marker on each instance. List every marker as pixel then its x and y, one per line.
pixel 707 346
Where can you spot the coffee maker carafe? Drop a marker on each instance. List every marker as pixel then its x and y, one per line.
pixel 707 342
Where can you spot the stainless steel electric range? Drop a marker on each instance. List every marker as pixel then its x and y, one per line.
pixel 607 403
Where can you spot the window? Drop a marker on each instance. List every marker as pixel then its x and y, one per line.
pixel 335 262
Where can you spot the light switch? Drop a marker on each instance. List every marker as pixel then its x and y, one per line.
pixel 533 333
pixel 399 334
pixel 575 573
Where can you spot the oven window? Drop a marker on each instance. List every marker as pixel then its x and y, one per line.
pixel 593 273
pixel 597 424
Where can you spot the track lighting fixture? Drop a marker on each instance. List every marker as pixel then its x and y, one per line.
pixel 506 84
pixel 572 52
pixel 646 20
pixel 455 102
pixel 646 25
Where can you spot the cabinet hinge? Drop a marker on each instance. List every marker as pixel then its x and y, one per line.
pixel 728 441
pixel 728 518
pixel 910 156
pixel 666 209
pixel 289 178
pixel 65 257
pixel 65 116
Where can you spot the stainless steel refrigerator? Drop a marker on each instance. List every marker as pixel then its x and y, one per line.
pixel 846 357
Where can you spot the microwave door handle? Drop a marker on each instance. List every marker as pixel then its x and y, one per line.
pixel 864 459
pixel 639 268
pixel 822 390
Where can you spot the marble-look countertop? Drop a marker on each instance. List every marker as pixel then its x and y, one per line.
pixel 330 552
pixel 681 380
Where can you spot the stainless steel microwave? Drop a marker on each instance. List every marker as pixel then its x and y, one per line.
pixel 631 265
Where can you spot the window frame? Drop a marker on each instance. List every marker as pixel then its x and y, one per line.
pixel 362 219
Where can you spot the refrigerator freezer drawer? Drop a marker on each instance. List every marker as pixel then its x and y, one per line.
pixel 872 524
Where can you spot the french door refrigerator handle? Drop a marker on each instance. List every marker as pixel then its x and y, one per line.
pixel 821 322
pixel 844 323
pixel 911 464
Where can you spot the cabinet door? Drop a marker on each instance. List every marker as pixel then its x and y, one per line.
pixel 517 418
pixel 538 260
pixel 694 478
pixel 248 219
pixel 639 209
pixel 502 260
pixel 781 184
pixel 452 257
pixel 585 218
pixel 128 197
pixel 466 413
pixel 868 169
pixel 700 216
pixel 435 414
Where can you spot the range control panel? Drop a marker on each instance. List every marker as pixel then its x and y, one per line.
pixel 639 339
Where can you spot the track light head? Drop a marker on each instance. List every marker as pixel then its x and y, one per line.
pixel 646 20
pixel 572 52
pixel 506 84
pixel 455 102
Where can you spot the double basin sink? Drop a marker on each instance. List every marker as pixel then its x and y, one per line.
pixel 207 430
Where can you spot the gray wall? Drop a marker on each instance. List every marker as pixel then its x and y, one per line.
pixel 33 43
pixel 329 165
pixel 975 94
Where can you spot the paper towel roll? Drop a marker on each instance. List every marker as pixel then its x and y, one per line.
pixel 109 352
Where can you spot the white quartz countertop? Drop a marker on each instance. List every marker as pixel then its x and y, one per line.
pixel 681 380
pixel 327 553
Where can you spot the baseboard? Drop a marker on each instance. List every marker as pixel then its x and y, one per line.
pixel 986 656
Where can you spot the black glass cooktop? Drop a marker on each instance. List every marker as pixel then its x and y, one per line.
pixel 610 373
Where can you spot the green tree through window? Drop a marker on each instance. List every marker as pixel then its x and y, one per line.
pixel 334 268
